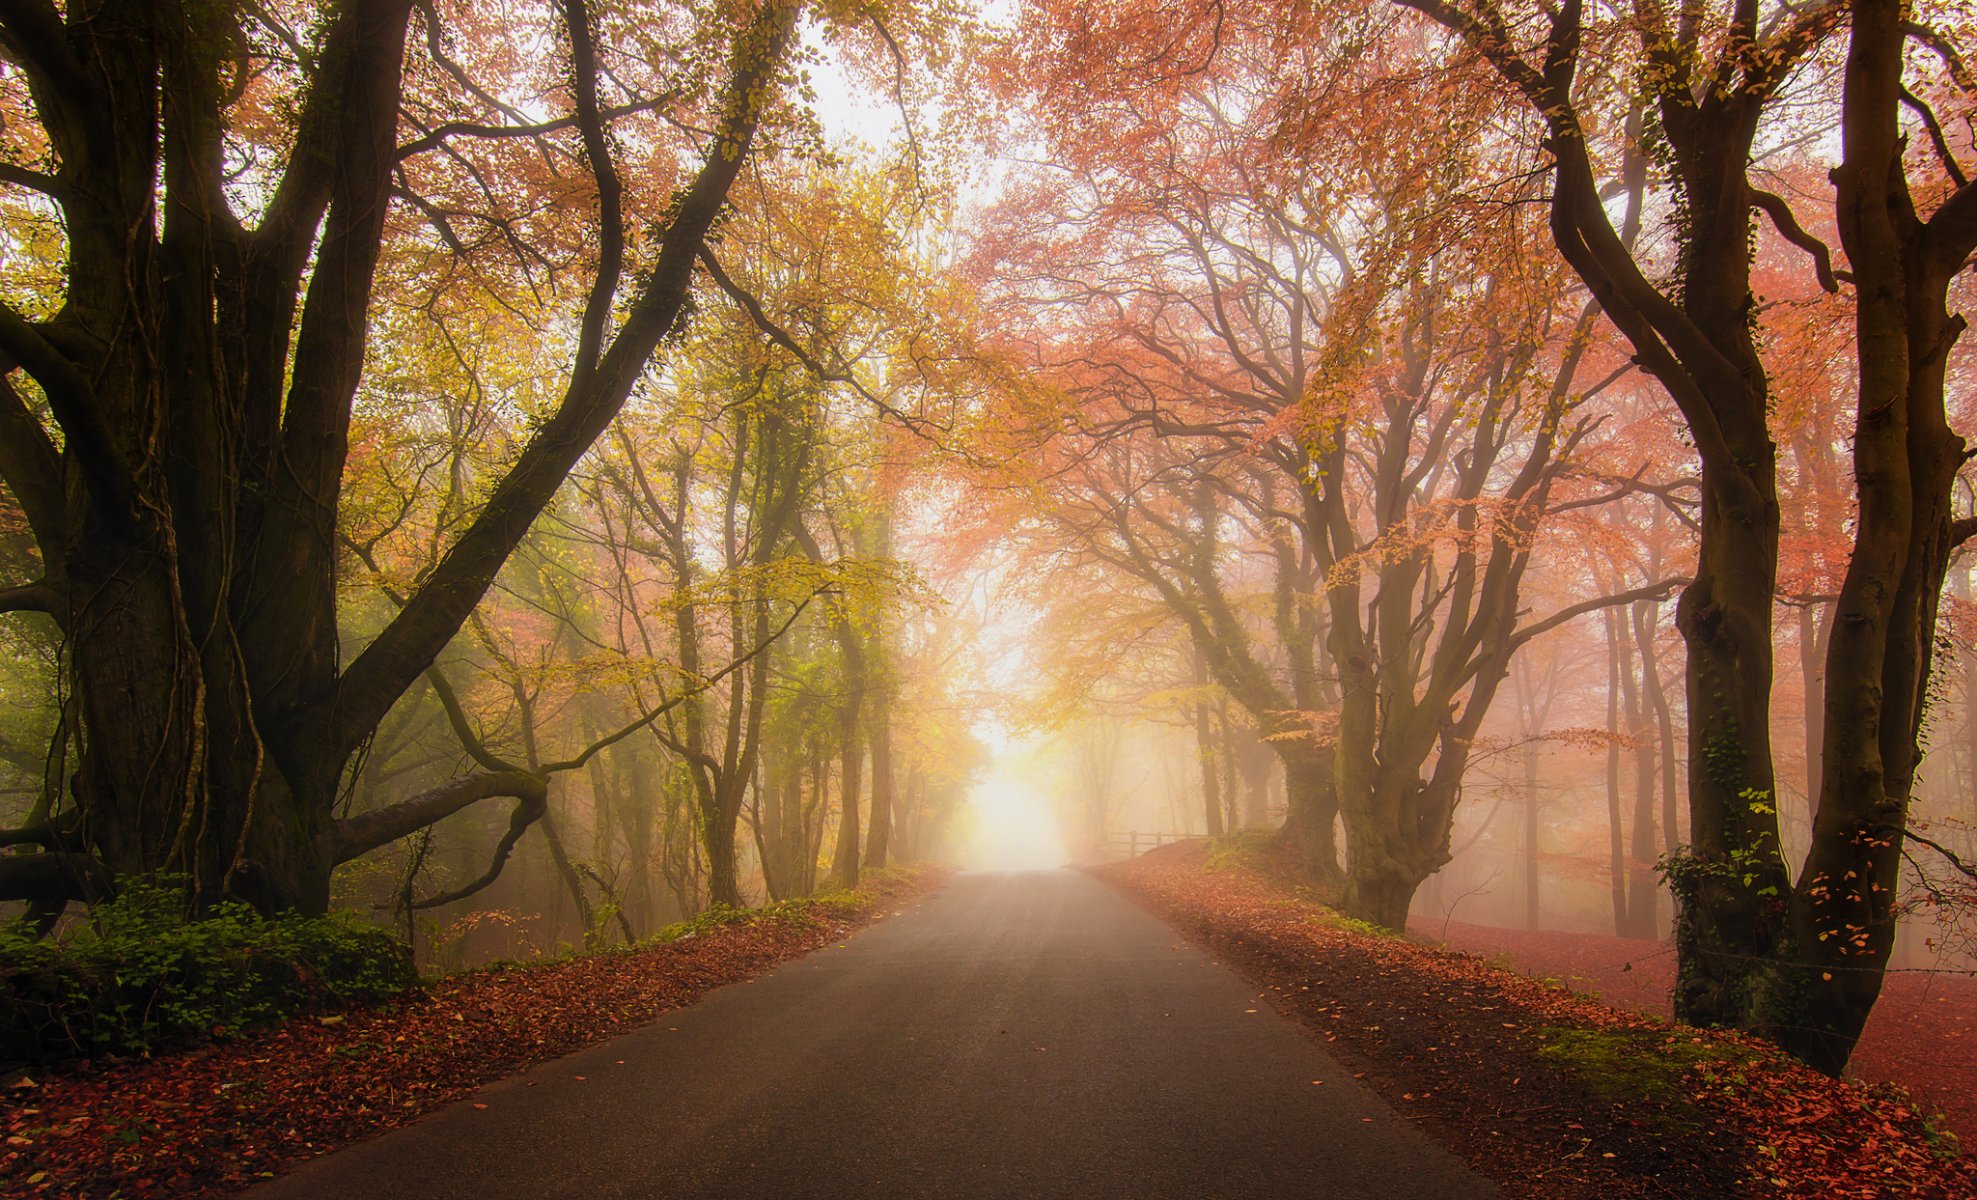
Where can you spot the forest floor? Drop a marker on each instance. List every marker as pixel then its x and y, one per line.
pixel 1922 1036
pixel 225 1115
pixel 1554 1094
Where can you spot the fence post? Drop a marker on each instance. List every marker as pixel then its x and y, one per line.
pixel 1135 851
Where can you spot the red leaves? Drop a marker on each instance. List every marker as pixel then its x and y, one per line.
pixel 223 1116
pixel 1549 1088
pixel 1917 1018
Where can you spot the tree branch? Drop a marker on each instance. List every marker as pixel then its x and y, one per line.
pixel 456 716
pixel 30 835
pixel 438 135
pixel 361 834
pixel 1773 205
pixel 610 191
pixel 31 467
pixel 56 876
pixel 1947 853
pixel 606 742
pixel 33 28
pixel 1921 109
pixel 528 810
pixel 1653 591
pixel 34 181
pixel 30 597
pixel 72 399
pixel 782 337
pixel 413 639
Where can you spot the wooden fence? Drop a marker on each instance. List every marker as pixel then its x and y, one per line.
pixel 1133 844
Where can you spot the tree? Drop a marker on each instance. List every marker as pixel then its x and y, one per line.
pixel 1355 381
pixel 1798 959
pixel 177 420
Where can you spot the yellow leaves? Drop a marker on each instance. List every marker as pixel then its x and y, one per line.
pixel 1450 526
pixel 1319 728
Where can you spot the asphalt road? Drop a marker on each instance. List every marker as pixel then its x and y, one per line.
pixel 1017 1035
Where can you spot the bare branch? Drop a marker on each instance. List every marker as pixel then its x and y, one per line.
pixel 782 337
pixel 33 181
pixel 528 810
pixel 29 597
pixel 1948 854
pixel 456 716
pixel 612 739
pixel 1658 590
pixel 1774 206
pixel 354 836
pixel 1921 109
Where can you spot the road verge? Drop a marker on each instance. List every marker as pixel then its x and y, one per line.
pixel 224 1116
pixel 1551 1093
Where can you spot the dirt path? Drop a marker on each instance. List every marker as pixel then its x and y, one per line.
pixel 1028 1034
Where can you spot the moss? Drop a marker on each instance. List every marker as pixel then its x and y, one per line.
pixel 1621 1066
pixel 1246 848
pixel 1339 920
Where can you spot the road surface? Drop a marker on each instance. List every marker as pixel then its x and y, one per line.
pixel 1018 1035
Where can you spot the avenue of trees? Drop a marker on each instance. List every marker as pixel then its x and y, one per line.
pixel 313 332
pixel 462 458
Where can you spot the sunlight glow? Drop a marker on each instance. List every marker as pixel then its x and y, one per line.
pixel 1014 826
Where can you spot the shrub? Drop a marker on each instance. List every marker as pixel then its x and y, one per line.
pixel 138 976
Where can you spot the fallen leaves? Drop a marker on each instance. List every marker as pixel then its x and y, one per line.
pixel 220 1117
pixel 1510 1070
pixel 1918 1016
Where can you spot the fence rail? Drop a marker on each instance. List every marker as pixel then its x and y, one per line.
pixel 1132 844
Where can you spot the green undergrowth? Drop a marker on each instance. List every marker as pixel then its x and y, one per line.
pixel 833 903
pixel 1246 849
pixel 1340 921
pixel 138 977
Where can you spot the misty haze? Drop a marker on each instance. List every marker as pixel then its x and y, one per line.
pixel 1085 599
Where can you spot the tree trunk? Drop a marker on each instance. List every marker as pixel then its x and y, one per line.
pixel 572 881
pixel 723 879
pixel 1227 750
pixel 813 846
pixel 1256 763
pixel 1882 639
pixel 878 843
pixel 1815 626
pixel 1205 754
pixel 1664 728
pixel 1730 890
pixel 1641 890
pixel 1531 921
pixel 844 862
pixel 1311 810
pixel 1616 836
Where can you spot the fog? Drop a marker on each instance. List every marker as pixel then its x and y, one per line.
pixel 1012 823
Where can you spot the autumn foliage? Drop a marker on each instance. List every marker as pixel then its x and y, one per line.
pixel 1552 1092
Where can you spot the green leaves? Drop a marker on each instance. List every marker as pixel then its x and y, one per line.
pixel 142 977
